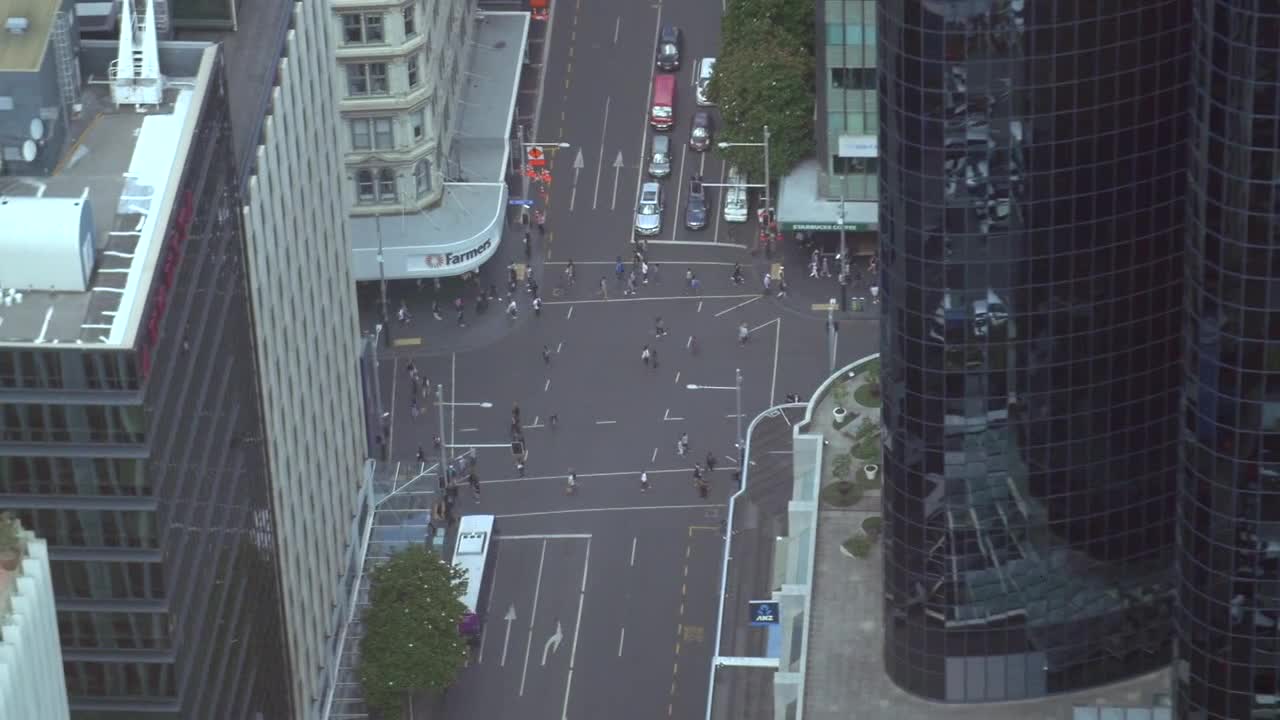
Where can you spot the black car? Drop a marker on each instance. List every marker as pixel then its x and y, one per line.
pixel 670 42
pixel 700 135
pixel 695 212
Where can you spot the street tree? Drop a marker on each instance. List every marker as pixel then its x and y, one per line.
pixel 764 76
pixel 411 637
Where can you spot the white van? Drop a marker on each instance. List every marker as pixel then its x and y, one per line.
pixel 736 207
pixel 706 68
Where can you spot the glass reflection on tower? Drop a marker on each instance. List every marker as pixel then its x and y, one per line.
pixel 1031 216
pixel 1229 502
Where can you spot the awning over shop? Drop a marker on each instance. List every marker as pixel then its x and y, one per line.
pixel 800 209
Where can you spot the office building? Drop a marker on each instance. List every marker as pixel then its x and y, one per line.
pixel 30 656
pixel 302 294
pixel 1228 569
pixel 1031 214
pixel 427 93
pixel 838 189
pixel 132 429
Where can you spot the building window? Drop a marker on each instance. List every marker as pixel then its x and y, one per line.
pixel 852 166
pixel 410 14
pixel 366 191
pixel 386 185
pixel 853 78
pixel 418 122
pixel 383 134
pixel 415 78
pixel 366 78
pixel 362 28
pixel 360 136
pixel 422 177
pixel 851 34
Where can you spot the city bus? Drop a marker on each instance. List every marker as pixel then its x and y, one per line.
pixel 471 555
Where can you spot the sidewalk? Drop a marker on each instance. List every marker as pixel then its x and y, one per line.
pixel 804 292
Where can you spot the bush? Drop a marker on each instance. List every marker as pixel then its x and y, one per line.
pixel 866 397
pixel 872 526
pixel 841 466
pixel 841 494
pixel 858 546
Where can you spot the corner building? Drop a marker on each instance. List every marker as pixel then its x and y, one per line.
pixel 1031 214
pixel 1229 504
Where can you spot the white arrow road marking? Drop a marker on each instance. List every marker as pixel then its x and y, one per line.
pixel 617 171
pixel 510 617
pixel 578 164
pixel 553 643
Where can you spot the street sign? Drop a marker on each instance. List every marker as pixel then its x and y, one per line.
pixel 536 157
pixel 518 201
pixel 764 612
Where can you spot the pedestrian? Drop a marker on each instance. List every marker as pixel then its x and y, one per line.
pixel 515 414
pixel 782 287
pixel 546 355
pixel 688 279
pixel 645 355
pixel 480 304
pixel 644 272
pixel 461 319
pixel 435 309
pixel 604 288
pixel 457 303
pixel 413 406
pixel 403 313
pixel 659 328
pixel 512 309
pixel 570 273
pixel 737 274
pixel 474 482
pixel 537 307
pixel 767 280
pixel 422 456
pixel 542 223
pixel 696 284
pixel 437 443
pixel 711 461
pixel 826 267
pixel 644 481
pixel 875 294
pixel 520 466
pixel 512 275
pixel 493 292
pixel 813 265
pixel 697 473
pixel 620 269
pixel 744 334
pixel 412 370
pixel 571 483
pixel 653 355
pixel 703 489
pixel 631 283
pixel 654 272
pixel 682 445
pixel 528 248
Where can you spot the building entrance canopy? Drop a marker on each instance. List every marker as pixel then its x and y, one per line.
pixel 800 209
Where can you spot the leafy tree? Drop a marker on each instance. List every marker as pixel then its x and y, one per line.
pixel 764 76
pixel 411 628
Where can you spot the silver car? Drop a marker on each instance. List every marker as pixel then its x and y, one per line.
pixel 660 156
pixel 649 209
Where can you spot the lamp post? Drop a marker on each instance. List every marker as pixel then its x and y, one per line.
pixel 382 280
pixel 736 387
pixel 842 259
pixel 768 201
pixel 444 445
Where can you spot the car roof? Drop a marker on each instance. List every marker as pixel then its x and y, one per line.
pixel 702 116
pixel 705 65
pixel 650 187
pixel 670 33
pixel 661 143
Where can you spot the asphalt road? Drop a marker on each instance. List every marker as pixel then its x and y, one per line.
pixel 635 631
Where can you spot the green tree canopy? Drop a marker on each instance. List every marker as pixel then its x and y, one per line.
pixel 411 637
pixel 764 76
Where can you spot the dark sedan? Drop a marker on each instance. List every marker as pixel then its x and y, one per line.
pixel 700 135
pixel 695 211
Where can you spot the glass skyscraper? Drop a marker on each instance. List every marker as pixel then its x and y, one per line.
pixel 1032 215
pixel 1229 502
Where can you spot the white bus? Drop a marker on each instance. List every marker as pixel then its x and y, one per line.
pixel 471 554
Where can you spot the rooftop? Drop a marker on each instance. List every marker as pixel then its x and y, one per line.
pixel 25 52
pixel 127 163
pixel 473 200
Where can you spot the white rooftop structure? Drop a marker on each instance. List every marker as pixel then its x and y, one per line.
pixel 31 681
pixel 47 244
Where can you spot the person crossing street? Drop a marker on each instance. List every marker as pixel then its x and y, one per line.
pixel 711 461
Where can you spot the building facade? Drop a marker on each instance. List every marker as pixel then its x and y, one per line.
pixel 1031 213
pixel 30 655
pixel 133 438
pixel 1229 489
pixel 305 331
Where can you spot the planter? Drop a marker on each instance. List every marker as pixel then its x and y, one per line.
pixel 871 470
pixel 841 417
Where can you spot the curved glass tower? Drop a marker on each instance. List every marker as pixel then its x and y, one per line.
pixel 1031 228
pixel 1229 504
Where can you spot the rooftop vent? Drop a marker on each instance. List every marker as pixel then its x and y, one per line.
pixel 17 25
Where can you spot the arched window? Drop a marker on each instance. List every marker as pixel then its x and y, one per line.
pixel 422 176
pixel 365 190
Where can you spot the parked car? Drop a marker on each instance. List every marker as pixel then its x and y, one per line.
pixel 695 212
pixel 706 68
pixel 660 156
pixel 670 42
pixel 736 202
pixel 649 209
pixel 700 135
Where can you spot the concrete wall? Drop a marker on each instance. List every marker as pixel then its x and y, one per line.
pixel 299 250
pixel 31 684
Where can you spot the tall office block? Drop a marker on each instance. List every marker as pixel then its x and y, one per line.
pixel 31 683
pixel 1031 216
pixel 306 336
pixel 1229 502
pixel 131 435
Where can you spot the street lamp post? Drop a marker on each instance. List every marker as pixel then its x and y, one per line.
pixel 382 279
pixel 736 387
pixel 444 444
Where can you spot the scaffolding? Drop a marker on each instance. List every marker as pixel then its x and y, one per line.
pixel 67 68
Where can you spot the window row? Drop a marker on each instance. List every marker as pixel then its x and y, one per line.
pixel 73 423
pixel 74 476
pixel 380 186
pixel 93 528
pixel 105 580
pixel 115 630
pixel 44 369
pixel 379 133
pixel 369 28
pixel 145 681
